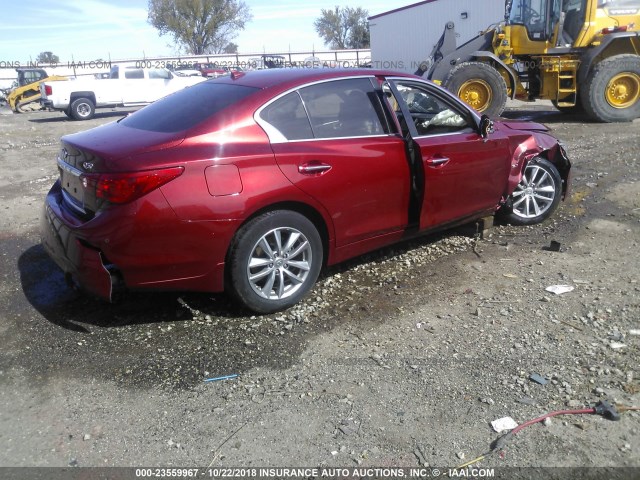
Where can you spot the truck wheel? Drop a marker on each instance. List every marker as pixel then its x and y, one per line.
pixel 612 91
pixel 82 109
pixel 479 85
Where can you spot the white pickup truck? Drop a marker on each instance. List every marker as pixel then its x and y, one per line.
pixel 125 87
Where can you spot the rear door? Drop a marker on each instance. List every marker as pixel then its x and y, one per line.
pixel 333 141
pixel 159 84
pixel 462 173
pixel 134 86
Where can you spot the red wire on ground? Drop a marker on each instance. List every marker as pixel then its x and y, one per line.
pixel 552 414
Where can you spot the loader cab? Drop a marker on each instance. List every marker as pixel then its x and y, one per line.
pixel 537 25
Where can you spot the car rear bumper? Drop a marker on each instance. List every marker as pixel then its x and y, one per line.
pixel 83 265
pixel 110 254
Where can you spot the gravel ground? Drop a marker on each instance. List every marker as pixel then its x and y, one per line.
pixel 402 357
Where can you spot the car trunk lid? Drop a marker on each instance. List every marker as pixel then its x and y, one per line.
pixel 86 156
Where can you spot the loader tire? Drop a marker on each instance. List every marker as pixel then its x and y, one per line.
pixel 612 90
pixel 480 86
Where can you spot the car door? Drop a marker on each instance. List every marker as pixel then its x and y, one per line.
pixel 333 141
pixel 462 173
pixel 159 84
pixel 134 86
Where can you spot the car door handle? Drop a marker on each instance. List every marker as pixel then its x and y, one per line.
pixel 437 161
pixel 313 168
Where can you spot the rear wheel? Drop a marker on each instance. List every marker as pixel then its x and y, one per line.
pixel 612 91
pixel 537 195
pixel 275 260
pixel 479 85
pixel 82 109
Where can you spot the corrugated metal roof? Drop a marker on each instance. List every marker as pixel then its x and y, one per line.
pixel 401 8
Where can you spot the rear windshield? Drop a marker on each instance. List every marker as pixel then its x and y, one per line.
pixel 187 108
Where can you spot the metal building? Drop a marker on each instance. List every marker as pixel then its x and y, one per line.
pixel 402 38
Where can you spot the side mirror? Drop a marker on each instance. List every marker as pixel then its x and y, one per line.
pixel 486 126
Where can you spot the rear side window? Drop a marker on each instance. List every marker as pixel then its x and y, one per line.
pixel 135 74
pixel 287 114
pixel 158 73
pixel 342 108
pixel 187 107
pixel 333 109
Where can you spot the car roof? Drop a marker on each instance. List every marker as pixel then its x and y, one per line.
pixel 289 77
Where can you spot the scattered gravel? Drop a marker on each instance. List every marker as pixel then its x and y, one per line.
pixel 402 357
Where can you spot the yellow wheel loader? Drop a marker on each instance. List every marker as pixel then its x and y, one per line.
pixel 583 55
pixel 26 95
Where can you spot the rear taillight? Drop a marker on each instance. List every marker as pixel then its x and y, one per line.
pixel 48 90
pixel 127 187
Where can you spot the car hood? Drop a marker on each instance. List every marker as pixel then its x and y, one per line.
pixel 524 125
pixel 116 143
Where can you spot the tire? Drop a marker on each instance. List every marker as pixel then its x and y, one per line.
pixel 67 112
pixel 537 195
pixel 82 109
pixel 480 86
pixel 612 90
pixel 266 278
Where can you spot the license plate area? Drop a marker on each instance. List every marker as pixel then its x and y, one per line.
pixel 73 190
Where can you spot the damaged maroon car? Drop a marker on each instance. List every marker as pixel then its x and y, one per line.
pixel 252 183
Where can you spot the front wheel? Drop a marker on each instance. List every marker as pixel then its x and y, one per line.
pixel 82 109
pixel 537 195
pixel 480 86
pixel 274 261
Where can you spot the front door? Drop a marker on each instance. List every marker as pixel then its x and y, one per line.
pixel 462 172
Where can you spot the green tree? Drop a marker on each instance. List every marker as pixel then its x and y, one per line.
pixel 344 28
pixel 47 57
pixel 230 48
pixel 200 26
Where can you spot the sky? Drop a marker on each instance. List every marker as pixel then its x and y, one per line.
pixel 85 30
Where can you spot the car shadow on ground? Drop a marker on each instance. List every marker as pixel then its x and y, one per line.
pixel 150 339
pixel 46 289
pixel 545 116
pixel 173 340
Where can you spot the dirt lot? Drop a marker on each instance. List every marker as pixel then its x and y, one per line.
pixel 399 358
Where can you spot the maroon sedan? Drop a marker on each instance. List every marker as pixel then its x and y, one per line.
pixel 251 183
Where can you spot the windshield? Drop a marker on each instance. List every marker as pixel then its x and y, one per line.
pixel 540 17
pixel 530 13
